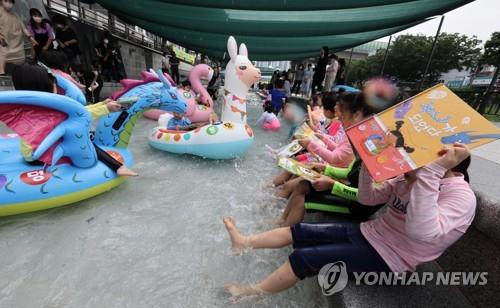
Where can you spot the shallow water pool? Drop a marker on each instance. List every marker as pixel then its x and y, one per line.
pixel 156 241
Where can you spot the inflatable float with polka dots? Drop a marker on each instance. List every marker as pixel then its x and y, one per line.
pixel 224 140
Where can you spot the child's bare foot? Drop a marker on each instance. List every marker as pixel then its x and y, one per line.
pixel 238 241
pixel 124 171
pixel 268 185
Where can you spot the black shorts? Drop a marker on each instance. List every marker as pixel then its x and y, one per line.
pixel 316 245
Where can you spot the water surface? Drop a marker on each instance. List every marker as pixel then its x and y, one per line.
pixel 156 241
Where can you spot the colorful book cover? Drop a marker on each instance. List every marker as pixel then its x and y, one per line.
pixel 306 132
pixel 410 134
pixel 298 169
pixel 290 149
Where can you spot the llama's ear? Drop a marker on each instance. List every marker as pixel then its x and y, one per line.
pixel 243 50
pixel 232 48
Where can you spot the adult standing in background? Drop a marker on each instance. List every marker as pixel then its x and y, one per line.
pixel 93 82
pixel 174 67
pixel 108 53
pixel 66 39
pixel 288 87
pixel 341 72
pixel 289 74
pixel 213 84
pixel 11 36
pixel 274 77
pixel 306 81
pixel 299 75
pixel 165 63
pixel 320 70
pixel 41 30
pixel 331 73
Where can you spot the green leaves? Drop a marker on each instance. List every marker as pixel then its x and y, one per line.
pixel 491 54
pixel 408 56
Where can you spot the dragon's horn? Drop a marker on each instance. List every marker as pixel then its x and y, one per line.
pixel 164 80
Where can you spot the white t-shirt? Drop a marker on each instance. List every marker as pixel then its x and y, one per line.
pixel 266 117
pixel 165 62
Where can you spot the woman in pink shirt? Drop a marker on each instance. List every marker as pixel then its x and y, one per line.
pixel 428 209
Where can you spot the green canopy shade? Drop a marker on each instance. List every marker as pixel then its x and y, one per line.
pixel 279 23
pixel 283 5
pixel 276 29
pixel 263 48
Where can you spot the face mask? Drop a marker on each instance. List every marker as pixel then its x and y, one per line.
pixel 7 5
pixel 106 41
pixel 37 19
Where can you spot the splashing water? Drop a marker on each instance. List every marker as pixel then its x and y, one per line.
pixel 156 241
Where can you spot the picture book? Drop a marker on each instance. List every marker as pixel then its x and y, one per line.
pixel 290 149
pixel 306 132
pixel 299 169
pixel 410 134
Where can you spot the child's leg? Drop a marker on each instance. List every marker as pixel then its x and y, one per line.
pixel 287 188
pixel 281 279
pixel 294 211
pixel 282 178
pixel 112 163
pixel 275 238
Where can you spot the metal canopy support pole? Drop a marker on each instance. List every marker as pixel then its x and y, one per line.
pixel 385 56
pixel 432 54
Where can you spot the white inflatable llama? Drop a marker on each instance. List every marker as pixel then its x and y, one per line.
pixel 240 75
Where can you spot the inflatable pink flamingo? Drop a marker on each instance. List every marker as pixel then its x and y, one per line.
pixel 195 112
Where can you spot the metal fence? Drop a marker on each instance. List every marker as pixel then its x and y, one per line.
pixel 474 97
pixel 106 22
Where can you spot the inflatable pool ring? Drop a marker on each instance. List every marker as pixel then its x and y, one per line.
pixel 61 139
pixel 196 112
pixel 233 136
pixel 345 89
pixel 274 125
pixel 224 140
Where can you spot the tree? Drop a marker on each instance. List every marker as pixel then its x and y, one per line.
pixel 408 54
pixel 491 56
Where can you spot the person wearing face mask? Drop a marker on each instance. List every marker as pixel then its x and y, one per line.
pixel 93 82
pixel 11 36
pixel 66 39
pixel 107 54
pixel 41 30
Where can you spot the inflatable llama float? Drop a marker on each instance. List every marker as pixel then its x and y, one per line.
pixel 230 138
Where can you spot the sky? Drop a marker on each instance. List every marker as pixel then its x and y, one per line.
pixel 480 18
